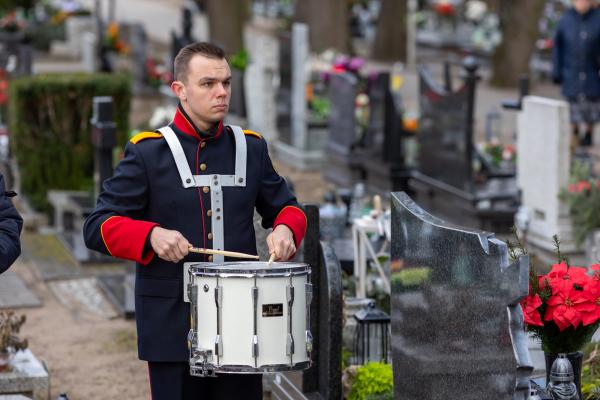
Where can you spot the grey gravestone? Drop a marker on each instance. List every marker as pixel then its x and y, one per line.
pixel 14 293
pixel 301 145
pixel 28 377
pixel 300 54
pixel 452 324
pixel 342 168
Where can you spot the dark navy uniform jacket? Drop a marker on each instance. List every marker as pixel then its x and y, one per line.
pixel 576 54
pixel 146 191
pixel 11 224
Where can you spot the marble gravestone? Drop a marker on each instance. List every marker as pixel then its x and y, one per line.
pixel 457 327
pixel 543 171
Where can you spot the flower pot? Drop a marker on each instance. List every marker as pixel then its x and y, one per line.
pixel 576 359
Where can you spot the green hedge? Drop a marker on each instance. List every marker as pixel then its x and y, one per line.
pixel 49 118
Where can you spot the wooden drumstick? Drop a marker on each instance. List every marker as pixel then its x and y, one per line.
pixel 271 259
pixel 225 253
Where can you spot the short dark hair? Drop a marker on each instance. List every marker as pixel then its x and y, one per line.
pixel 205 49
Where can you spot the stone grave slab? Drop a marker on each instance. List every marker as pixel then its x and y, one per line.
pixel 83 296
pixel 49 256
pixel 28 377
pixel 119 290
pixel 14 293
pixel 457 327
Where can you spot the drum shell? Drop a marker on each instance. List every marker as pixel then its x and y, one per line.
pixel 237 315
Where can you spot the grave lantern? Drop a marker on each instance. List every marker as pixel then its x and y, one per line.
pixel 371 336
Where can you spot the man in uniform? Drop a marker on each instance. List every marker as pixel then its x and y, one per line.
pixel 154 208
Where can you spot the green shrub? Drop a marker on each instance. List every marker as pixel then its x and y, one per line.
pixel 49 118
pixel 372 379
pixel 384 396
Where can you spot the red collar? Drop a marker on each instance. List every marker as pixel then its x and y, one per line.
pixel 185 125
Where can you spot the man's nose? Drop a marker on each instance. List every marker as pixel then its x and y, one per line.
pixel 221 90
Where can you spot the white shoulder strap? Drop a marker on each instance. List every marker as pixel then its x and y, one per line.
pixel 187 179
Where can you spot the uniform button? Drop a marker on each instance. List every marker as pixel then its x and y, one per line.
pixel 203 144
pixel 202 167
pixel 210 258
pixel 209 213
pixel 583 35
pixel 205 189
pixel 582 76
pixel 210 236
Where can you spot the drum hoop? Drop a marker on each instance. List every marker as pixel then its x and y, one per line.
pixel 246 274
pixel 209 269
pixel 247 369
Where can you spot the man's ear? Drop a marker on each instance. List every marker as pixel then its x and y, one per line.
pixel 179 89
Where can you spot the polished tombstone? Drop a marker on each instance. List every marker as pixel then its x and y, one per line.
pixel 343 167
pixel 384 152
pixel 454 320
pixel 322 381
pixel 445 180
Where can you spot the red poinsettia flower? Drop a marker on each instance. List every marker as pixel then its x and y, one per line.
pixel 591 292
pixel 567 305
pixel 596 271
pixel 530 305
pixel 562 272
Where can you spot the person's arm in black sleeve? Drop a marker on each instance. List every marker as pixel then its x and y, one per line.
pixel 11 224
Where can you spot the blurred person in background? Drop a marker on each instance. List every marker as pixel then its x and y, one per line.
pixel 576 66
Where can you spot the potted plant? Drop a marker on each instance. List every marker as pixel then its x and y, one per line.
pixel 562 310
pixel 10 325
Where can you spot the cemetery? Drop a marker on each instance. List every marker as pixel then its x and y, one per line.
pixel 452 243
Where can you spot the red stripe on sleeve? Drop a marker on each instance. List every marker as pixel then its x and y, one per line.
pixel 126 238
pixel 295 219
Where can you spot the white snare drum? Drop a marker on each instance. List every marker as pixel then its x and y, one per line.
pixel 249 317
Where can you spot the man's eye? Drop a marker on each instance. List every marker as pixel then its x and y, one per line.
pixel 206 84
pixel 227 83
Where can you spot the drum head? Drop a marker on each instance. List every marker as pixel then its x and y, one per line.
pixel 251 267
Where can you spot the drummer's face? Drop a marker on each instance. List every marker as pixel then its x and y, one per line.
pixel 206 90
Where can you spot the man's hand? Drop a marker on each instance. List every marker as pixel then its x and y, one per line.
pixel 169 245
pixel 281 243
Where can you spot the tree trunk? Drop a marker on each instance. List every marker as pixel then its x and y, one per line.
pixel 226 20
pixel 390 39
pixel 519 24
pixel 327 23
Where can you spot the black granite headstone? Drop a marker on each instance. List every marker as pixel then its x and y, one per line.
pixel 343 168
pixel 455 311
pixel 383 156
pixel 323 381
pixel 284 91
pixel 442 132
pixel 445 180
